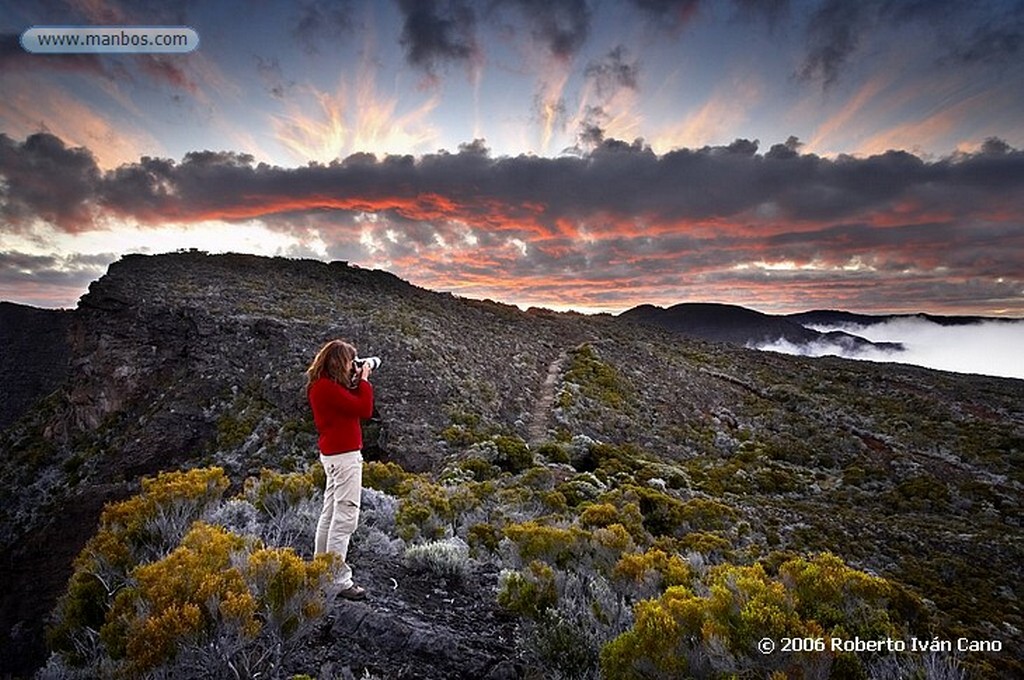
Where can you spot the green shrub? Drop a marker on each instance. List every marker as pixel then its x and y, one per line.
pixel 219 593
pixel 513 454
pixel 704 542
pixel 479 469
pixel 529 593
pixel 553 452
pixel 599 515
pixel 387 477
pixel 714 629
pixel 273 492
pixel 702 513
pixel 922 493
pixel 483 537
pixel 597 379
pixel 662 513
pixel 554 545
pixel 425 512
pixel 538 478
pixel 131 532
pixel 668 570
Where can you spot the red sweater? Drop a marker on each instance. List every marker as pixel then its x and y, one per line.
pixel 336 412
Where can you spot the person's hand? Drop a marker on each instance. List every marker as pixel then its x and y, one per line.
pixel 364 371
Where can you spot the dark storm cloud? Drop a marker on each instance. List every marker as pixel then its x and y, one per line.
pixel 971 203
pixel 833 34
pixel 963 32
pixel 994 42
pixel 771 10
pixel 435 33
pixel 561 25
pixel 672 12
pixel 613 225
pixel 45 180
pixel 320 22
pixel 613 72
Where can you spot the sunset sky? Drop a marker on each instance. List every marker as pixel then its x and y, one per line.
pixel 784 155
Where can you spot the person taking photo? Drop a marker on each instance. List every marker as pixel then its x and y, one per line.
pixel 340 396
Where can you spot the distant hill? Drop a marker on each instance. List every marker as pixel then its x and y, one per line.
pixel 742 326
pixel 829 317
pixel 519 428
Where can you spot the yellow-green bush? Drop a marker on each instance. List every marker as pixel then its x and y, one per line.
pixel 168 604
pixel 483 537
pixel 272 491
pixel 740 605
pixel 671 570
pixel 703 513
pixel 144 591
pixel 553 452
pixel 743 606
pixel 834 595
pixel 216 591
pixel 513 453
pixel 597 379
pixel 425 511
pixel 599 515
pixel 704 542
pixel 554 545
pixel 538 478
pixel 529 593
pixel 133 531
pixel 554 501
pixel 479 468
pixel 663 514
pixel 608 544
pixel 387 477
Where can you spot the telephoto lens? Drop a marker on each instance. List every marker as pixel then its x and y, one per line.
pixel 372 362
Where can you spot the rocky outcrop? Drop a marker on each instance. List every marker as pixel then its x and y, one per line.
pixel 35 356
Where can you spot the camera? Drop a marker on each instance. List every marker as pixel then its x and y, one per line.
pixel 372 362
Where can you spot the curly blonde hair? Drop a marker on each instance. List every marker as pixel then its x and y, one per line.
pixel 334 361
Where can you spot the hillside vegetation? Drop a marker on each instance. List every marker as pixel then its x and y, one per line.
pixel 551 495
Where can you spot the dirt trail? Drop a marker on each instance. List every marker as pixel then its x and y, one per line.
pixel 542 410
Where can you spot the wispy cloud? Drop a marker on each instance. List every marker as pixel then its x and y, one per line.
pixel 325 126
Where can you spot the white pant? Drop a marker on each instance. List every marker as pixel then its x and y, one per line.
pixel 340 514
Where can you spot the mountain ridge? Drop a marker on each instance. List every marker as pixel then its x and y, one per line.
pixel 189 359
pixel 743 326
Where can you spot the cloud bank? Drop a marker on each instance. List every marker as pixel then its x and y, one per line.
pixel 986 348
pixel 605 228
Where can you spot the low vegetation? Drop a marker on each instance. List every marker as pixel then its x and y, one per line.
pixel 669 499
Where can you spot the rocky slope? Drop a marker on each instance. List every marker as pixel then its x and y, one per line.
pixel 188 359
pixel 35 357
